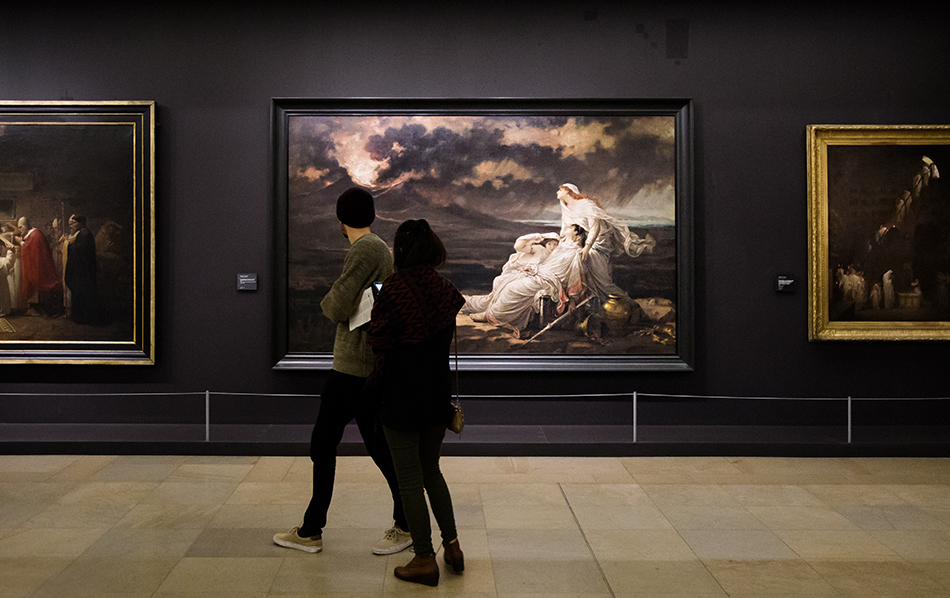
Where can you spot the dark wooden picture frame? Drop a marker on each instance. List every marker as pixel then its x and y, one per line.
pixel 485 172
pixel 81 177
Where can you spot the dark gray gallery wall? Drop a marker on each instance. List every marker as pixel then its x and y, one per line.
pixel 757 76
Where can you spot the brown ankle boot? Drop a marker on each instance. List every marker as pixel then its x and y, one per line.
pixel 421 569
pixel 453 556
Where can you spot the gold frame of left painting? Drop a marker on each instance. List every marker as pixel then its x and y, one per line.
pixel 878 220
pixel 77 221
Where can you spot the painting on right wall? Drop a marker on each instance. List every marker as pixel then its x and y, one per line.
pixel 879 225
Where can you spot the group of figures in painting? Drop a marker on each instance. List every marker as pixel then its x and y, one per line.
pixel 889 275
pixel 50 274
pixel 568 271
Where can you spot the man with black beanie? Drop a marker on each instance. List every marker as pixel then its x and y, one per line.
pixel 368 260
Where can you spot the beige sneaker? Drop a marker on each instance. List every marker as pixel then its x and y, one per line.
pixel 394 540
pixel 292 540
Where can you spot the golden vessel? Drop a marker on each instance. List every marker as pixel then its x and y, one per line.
pixel 616 312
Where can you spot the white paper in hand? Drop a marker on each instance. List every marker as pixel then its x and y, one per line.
pixel 363 311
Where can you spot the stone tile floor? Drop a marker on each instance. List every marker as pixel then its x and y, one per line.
pixel 178 526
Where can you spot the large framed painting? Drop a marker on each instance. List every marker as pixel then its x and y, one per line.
pixel 879 220
pixel 568 223
pixel 77 248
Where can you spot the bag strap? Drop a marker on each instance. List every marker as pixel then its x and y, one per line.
pixel 455 335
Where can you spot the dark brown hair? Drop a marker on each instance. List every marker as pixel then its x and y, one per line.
pixel 415 244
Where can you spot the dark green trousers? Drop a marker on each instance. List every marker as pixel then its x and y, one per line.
pixel 416 459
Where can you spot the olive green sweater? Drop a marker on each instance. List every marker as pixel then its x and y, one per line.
pixel 369 260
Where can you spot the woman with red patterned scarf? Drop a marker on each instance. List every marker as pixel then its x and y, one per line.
pixel 410 331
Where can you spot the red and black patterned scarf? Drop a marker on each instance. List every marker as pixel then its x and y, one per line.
pixel 413 305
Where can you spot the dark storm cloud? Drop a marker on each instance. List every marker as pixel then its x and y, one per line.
pixel 313 150
pixel 441 155
pixel 440 152
pixel 310 159
pixel 509 166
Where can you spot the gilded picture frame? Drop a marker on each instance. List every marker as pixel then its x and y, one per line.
pixel 878 220
pixel 485 173
pixel 77 211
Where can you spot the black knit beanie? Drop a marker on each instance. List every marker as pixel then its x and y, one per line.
pixel 355 209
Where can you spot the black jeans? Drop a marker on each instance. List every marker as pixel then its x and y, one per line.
pixel 340 404
pixel 416 457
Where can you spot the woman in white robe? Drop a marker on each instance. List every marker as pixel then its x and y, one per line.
pixel 606 236
pixel 516 294
pixel 530 250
